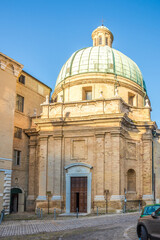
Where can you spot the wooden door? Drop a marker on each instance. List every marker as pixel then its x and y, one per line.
pixel 78 194
pixel 14 202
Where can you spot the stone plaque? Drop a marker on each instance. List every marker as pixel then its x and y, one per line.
pixel 79 149
pixel 131 150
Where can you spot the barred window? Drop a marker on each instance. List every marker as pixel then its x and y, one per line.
pixel 17 157
pixel 22 79
pixel 17 132
pixel 19 103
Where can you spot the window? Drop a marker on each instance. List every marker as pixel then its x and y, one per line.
pixel 87 93
pixel 106 41
pixel 131 180
pixel 17 132
pixel 17 157
pixel 22 79
pixel 100 40
pixel 19 103
pixel 131 99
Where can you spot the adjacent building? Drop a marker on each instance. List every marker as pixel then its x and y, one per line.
pixel 21 96
pixel 9 72
pixel 30 94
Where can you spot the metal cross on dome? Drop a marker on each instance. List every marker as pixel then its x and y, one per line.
pixel 102 21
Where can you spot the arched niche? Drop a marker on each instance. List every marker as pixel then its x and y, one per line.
pixel 131 180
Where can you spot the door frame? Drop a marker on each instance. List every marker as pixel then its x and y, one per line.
pixel 20 198
pixel 78 170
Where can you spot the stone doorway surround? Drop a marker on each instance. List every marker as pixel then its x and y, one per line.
pixel 78 170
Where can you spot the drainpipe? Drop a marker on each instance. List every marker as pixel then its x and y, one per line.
pixel 62 167
pixel 153 173
pixel 145 94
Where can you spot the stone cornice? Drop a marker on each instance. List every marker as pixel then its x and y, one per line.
pixel 119 118
pixel 7 63
pixel 147 138
pixel 31 132
pixel 115 131
pixel 99 134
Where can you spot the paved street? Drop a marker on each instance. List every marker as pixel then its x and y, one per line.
pixel 112 227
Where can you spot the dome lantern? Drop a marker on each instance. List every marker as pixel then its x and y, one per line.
pixel 102 36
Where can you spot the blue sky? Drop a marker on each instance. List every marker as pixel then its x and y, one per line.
pixel 42 35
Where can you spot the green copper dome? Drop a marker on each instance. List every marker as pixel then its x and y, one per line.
pixel 101 59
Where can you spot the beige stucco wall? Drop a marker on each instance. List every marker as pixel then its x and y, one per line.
pixel 35 85
pixel 9 72
pixel 7 105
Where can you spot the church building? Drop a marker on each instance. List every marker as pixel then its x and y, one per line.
pixel 92 144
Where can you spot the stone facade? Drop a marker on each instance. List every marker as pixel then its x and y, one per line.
pixel 111 143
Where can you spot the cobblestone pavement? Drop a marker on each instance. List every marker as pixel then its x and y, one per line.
pixel 130 232
pixel 113 227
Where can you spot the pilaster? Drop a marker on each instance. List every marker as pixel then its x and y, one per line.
pixel 31 178
pixel 108 162
pixel 43 168
pixel 57 168
pixel 115 138
pixel 147 167
pixel 50 166
pixel 99 144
